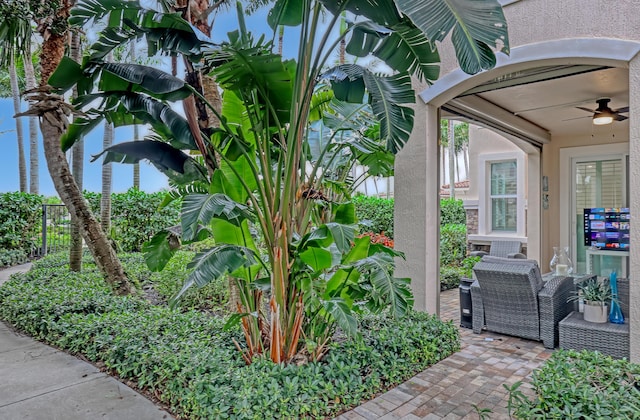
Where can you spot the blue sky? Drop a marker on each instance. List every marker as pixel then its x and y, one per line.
pixel 151 180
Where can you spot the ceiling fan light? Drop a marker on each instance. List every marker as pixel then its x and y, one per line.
pixel 602 118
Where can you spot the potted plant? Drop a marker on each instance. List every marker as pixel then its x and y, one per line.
pixel 596 295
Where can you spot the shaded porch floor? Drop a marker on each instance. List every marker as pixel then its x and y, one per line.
pixel 474 375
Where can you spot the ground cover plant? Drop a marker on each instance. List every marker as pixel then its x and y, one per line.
pixel 187 360
pixel 580 385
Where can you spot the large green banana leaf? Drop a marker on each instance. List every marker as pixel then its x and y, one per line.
pixel 200 209
pixel 214 263
pixel 127 20
pixel 478 26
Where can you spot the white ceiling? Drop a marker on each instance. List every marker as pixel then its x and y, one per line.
pixel 551 104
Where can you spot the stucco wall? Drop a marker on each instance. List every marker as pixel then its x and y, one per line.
pixel 531 21
pixel 483 141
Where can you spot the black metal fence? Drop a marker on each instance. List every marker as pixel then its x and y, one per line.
pixel 56 230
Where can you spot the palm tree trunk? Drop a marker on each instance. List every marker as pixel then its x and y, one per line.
pixel 77 152
pixel 465 155
pixel 452 149
pixel 53 123
pixel 15 92
pixel 34 159
pixel 105 201
pixel 136 130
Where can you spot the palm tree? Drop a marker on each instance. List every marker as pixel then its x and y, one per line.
pixel 136 128
pixel 15 92
pixel 34 159
pixel 105 200
pixel 77 165
pixel 51 19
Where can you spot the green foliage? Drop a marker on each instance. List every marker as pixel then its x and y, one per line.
pixel 375 213
pixel 453 244
pixel 10 257
pixel 593 290
pixel 136 217
pixel 580 385
pixel 449 277
pixel 318 275
pixel 452 211
pixel 188 361
pixel 20 217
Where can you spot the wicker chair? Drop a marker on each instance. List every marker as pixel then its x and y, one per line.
pixel 510 297
pixel 504 249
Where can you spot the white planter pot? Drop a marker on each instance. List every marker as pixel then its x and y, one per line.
pixel 596 313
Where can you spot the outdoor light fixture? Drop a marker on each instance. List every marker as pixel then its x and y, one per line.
pixel 603 117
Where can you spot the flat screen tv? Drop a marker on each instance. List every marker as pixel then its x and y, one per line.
pixel 607 228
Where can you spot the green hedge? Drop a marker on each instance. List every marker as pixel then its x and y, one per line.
pixel 453 244
pixel 581 385
pixel 375 213
pixel 20 218
pixel 189 362
pixel 135 217
pixel 452 211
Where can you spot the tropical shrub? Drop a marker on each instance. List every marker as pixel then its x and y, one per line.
pixel 375 214
pixel 453 244
pixel 136 216
pixel 289 132
pixel 580 385
pixel 188 361
pixel 452 211
pixel 20 219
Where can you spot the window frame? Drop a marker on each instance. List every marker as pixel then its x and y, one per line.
pixel 485 219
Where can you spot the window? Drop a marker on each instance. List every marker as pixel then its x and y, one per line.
pixel 504 196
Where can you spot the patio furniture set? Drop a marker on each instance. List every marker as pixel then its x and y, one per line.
pixel 510 296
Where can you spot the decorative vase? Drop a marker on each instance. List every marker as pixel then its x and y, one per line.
pixel 596 312
pixel 615 315
pixel 560 263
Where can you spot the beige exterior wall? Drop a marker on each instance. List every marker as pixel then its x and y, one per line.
pixel 484 141
pixel 531 21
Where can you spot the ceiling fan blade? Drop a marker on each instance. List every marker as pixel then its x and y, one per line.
pixel 585 109
pixel 621 117
pixel 623 109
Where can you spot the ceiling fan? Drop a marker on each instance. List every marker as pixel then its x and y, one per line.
pixel 603 114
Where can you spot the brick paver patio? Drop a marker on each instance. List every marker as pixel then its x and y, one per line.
pixel 474 375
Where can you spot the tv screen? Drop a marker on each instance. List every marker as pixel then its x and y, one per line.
pixel 607 228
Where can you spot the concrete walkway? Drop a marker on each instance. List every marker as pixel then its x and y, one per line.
pixel 40 382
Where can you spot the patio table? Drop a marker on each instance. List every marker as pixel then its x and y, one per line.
pixel 607 338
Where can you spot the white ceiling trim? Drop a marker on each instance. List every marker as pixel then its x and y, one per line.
pixel 480 111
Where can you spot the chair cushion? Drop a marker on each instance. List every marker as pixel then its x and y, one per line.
pixel 501 260
pixel 537 281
